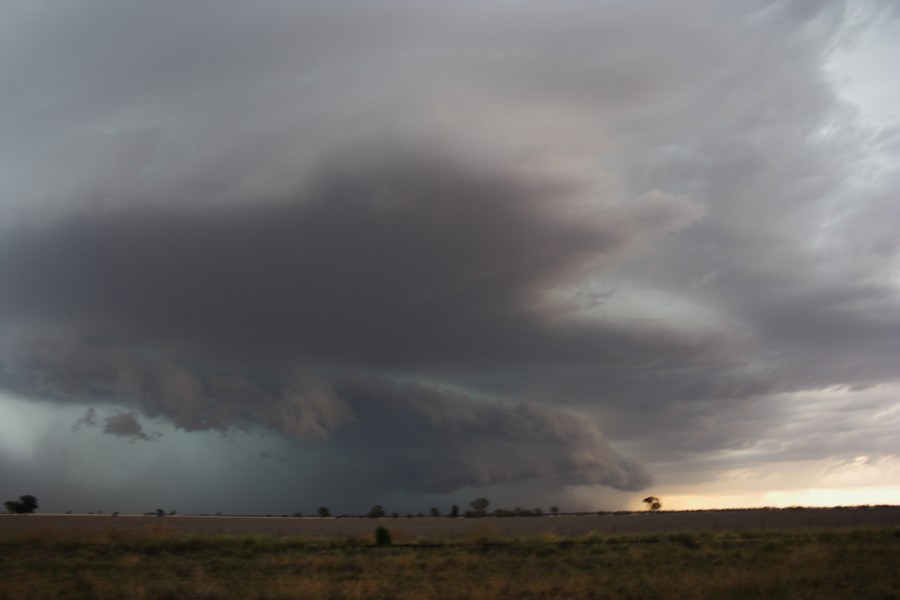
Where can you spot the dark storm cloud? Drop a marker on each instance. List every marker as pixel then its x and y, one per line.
pixel 425 439
pixel 465 237
pixel 408 436
pixel 73 371
pixel 127 426
pixel 397 265
pixel 121 424
pixel 404 262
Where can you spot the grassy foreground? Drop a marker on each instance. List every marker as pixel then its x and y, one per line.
pixel 161 564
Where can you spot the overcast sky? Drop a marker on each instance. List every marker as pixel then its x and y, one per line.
pixel 264 257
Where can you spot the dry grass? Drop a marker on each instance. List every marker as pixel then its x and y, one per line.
pixel 457 528
pixel 159 563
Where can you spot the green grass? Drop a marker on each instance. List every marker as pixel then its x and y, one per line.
pixel 160 564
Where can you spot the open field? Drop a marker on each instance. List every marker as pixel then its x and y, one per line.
pixel 731 520
pixel 808 553
pixel 161 563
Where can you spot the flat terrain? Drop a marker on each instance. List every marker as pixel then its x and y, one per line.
pixel 156 562
pixel 444 527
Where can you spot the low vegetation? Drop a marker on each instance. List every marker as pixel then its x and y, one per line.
pixel 158 563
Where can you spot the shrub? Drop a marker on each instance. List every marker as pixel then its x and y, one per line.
pixel 383 536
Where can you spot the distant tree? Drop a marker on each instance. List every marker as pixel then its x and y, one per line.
pixel 324 512
pixel 376 512
pixel 554 510
pixel 653 503
pixel 160 512
pixel 435 512
pixel 25 505
pixel 538 512
pixel 479 507
pixel 29 502
pixel 454 511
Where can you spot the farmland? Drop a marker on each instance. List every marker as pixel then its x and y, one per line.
pixel 849 553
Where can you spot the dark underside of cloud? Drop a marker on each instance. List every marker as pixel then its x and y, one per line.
pixel 402 262
pixel 254 316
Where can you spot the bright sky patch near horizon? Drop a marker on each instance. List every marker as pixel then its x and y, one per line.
pixel 264 259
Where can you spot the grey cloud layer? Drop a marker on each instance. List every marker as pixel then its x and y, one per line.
pixel 73 371
pixel 397 265
pixel 413 261
pixel 409 437
pixel 319 219
pixel 442 441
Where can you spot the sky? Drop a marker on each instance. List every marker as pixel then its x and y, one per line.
pixel 265 257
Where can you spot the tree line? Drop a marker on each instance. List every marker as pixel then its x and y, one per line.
pixel 27 504
pixel 477 508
